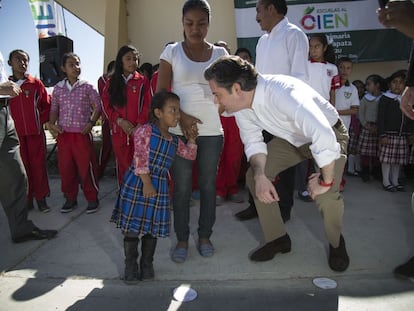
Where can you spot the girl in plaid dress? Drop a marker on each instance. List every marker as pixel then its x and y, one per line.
pixel 368 113
pixel 142 208
pixel 392 131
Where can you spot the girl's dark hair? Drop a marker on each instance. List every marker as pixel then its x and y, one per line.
pixel 158 102
pixel 377 79
pixel 329 54
pixel 110 66
pixel 146 67
pixel 244 50
pixel 18 51
pixel 199 5
pixel 280 5
pixel 398 74
pixel 117 87
pixel 66 56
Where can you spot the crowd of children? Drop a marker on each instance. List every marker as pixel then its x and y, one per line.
pixel 381 138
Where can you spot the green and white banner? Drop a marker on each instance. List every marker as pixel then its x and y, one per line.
pixel 352 27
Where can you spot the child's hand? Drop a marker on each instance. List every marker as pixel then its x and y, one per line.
pixel 148 190
pixel 54 129
pixel 87 128
pixel 126 126
pixel 384 141
pixel 192 134
pixel 411 139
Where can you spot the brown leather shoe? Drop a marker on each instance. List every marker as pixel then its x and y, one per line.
pixel 338 257
pixel 269 250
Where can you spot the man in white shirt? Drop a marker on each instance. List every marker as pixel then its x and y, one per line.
pixel 304 126
pixel 13 181
pixel 283 49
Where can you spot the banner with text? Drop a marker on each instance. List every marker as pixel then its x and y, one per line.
pixel 48 18
pixel 352 27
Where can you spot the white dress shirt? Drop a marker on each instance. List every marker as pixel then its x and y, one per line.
pixel 283 51
pixel 290 109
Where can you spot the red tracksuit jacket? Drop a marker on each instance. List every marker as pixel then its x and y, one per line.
pixel 30 110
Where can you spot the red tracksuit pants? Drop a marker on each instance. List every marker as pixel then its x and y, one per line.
pixel 33 153
pixel 123 155
pixel 230 159
pixel 106 149
pixel 77 160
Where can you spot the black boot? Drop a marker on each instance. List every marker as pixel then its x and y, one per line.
pixel 131 257
pixel 147 249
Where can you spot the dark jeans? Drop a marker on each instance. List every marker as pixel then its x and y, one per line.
pixel 13 181
pixel 208 153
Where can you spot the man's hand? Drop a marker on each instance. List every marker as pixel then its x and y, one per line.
pixel 398 14
pixel 314 187
pixel 265 190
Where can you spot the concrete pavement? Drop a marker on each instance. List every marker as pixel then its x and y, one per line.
pixel 81 268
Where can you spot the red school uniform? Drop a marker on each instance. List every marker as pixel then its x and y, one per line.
pixel 230 159
pixel 30 110
pixel 106 149
pixel 136 109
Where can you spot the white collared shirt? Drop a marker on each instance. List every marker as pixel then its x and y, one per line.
pixel 285 50
pixel 290 109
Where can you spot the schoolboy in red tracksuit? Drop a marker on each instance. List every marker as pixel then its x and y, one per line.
pixel 30 110
pixel 126 102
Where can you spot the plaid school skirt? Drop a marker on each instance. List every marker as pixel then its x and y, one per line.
pixel 396 152
pixel 368 143
pixel 353 143
pixel 353 139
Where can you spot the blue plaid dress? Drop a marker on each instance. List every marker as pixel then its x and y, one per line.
pixel 133 212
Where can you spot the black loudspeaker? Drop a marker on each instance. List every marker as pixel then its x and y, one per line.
pixel 51 50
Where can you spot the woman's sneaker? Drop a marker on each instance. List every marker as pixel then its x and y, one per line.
pixel 68 206
pixel 92 207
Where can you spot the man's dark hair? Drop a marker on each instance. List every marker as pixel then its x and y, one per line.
pixel 230 69
pixel 280 5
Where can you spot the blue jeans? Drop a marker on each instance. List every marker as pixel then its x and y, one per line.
pixel 208 154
